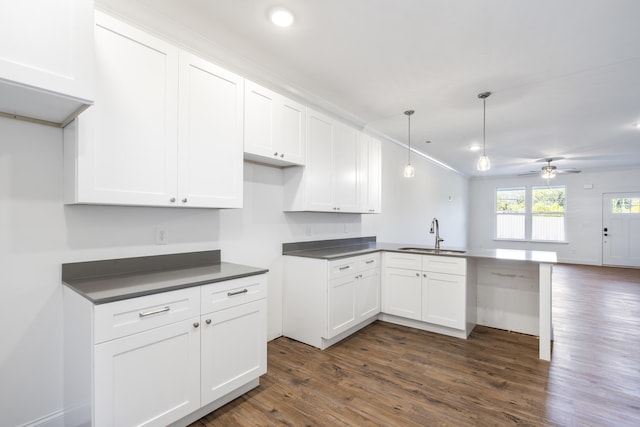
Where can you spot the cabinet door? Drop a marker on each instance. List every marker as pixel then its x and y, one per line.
pixel 47 57
pixel 259 120
pixel 345 168
pixel 444 299
pixel 126 144
pixel 148 379
pixel 291 131
pixel 374 177
pixel 367 294
pixel 403 293
pixel 318 176
pixel 210 159
pixel 234 348
pixel 341 305
pixel 274 127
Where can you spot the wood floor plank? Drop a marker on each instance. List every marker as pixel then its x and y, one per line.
pixel 390 375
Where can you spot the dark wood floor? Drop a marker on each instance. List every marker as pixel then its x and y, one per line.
pixel 388 375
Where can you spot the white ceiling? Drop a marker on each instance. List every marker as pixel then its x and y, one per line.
pixel 565 74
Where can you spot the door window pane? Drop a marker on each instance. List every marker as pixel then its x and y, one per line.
pixel 625 205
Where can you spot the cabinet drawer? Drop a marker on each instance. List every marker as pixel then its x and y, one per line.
pixel 342 267
pixel 130 316
pixel 221 295
pixel 403 260
pixel 367 262
pixel 444 264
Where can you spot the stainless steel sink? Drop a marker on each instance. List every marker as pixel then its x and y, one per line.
pixel 433 251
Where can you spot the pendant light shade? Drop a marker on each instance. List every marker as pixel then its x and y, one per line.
pixel 484 164
pixel 409 171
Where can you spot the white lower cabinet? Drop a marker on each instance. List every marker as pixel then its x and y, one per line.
pixel 403 293
pixel 430 289
pixel 156 359
pixel 227 367
pixel 443 299
pixel 324 301
pixel 148 379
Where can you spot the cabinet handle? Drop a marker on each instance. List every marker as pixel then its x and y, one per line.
pixel 172 200
pixel 184 200
pixel 275 154
pixel 208 321
pixel 152 312
pixel 417 274
pixel 424 275
pixel 344 267
pixel 282 155
pixel 230 294
pixel 196 324
pixel 369 261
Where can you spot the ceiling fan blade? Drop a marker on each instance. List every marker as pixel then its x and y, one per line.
pixel 567 171
pixel 549 159
pixel 532 173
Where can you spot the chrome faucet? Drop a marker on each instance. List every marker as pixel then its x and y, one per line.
pixel 436 226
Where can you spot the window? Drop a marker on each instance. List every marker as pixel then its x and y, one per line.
pixel 540 219
pixel 510 213
pixel 547 222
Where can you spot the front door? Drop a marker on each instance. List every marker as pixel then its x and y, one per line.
pixel 621 229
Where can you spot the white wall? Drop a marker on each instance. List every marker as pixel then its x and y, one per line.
pixel 409 204
pixel 38 233
pixel 583 211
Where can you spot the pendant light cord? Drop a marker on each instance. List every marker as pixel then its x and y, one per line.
pixel 408 113
pixel 409 139
pixel 484 126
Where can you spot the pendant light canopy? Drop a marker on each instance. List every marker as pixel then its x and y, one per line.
pixel 409 171
pixel 484 164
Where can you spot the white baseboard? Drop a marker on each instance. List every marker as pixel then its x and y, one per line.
pixel 54 419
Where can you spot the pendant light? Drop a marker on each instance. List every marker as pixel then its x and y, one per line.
pixel 409 171
pixel 484 164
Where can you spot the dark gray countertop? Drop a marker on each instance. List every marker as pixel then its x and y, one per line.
pixel 113 280
pixel 343 248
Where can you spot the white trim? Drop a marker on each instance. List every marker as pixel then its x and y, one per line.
pixel 54 419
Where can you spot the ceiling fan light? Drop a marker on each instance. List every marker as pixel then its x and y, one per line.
pixel 484 164
pixel 548 174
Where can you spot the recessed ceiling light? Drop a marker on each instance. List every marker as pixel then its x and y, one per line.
pixel 637 125
pixel 281 17
pixel 475 147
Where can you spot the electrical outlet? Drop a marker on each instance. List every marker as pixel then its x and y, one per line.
pixel 162 236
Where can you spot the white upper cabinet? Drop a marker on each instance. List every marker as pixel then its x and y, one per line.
pixel 46 59
pixel 274 127
pixel 329 181
pixel 166 129
pixel 209 135
pixel 370 174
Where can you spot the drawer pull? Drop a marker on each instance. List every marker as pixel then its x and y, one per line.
pixel 344 267
pixel 230 294
pixel 370 261
pixel 152 312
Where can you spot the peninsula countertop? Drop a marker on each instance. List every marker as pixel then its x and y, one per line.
pixel 343 248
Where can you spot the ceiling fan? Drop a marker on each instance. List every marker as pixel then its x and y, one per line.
pixel 550 171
